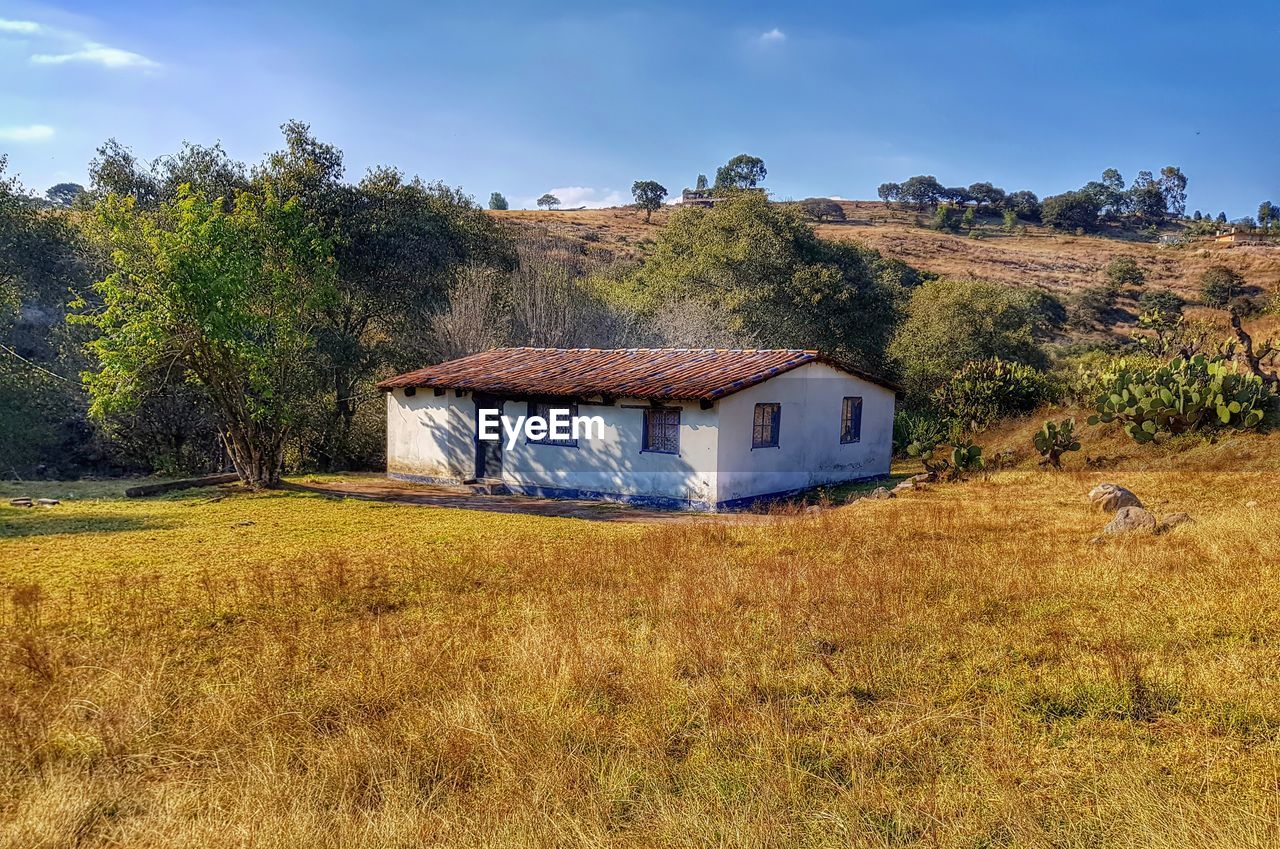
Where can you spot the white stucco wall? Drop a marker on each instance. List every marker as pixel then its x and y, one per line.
pixel 616 464
pixel 433 436
pixel 809 451
pixel 429 435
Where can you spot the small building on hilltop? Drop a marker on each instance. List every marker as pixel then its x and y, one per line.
pixel 1243 237
pixel 701 429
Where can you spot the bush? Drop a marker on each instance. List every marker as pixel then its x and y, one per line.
pixel 1185 395
pixel 1219 284
pixel 981 392
pixel 1125 271
pixel 919 429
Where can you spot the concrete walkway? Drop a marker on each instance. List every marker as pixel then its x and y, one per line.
pixel 374 487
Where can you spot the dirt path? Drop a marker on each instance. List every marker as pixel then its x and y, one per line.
pixel 378 488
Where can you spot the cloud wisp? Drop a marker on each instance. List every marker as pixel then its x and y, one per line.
pixel 28 133
pixel 572 197
pixel 773 36
pixel 63 47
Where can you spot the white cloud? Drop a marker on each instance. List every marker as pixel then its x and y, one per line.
pixel 773 36
pixel 575 196
pixel 63 47
pixel 21 27
pixel 29 133
pixel 99 54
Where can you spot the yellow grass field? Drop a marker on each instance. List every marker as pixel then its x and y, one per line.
pixel 958 667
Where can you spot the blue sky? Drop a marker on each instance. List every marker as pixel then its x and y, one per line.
pixel 584 98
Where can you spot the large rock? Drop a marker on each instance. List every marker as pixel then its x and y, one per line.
pixel 1131 520
pixel 881 493
pixel 1110 497
pixel 1172 521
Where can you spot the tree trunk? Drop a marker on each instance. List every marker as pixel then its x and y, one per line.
pixel 256 453
pixel 1247 354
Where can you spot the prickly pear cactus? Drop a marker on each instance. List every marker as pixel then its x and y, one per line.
pixel 1187 394
pixel 1054 440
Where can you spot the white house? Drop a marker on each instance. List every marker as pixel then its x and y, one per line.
pixel 688 428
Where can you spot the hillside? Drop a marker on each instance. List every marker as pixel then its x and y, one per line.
pixel 1036 256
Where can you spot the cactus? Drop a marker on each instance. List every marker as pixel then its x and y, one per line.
pixel 1054 440
pixel 965 457
pixel 1187 394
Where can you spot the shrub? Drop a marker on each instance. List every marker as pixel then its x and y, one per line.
pixel 1186 395
pixel 1054 440
pixel 919 429
pixel 983 391
pixel 1125 271
pixel 1219 284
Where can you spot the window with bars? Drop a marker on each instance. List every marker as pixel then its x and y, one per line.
pixel 662 430
pixel 851 419
pixel 543 409
pixel 764 430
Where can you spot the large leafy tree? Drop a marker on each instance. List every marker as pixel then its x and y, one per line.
pixel 741 172
pixel 953 322
pixel 1070 211
pixel 648 196
pixel 230 297
pixel 397 246
pixel 771 281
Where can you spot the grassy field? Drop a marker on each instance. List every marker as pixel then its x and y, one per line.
pixel 959 667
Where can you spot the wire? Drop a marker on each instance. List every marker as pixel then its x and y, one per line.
pixel 39 367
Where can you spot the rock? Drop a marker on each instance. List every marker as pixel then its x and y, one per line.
pixel 1251 504
pixel 1172 521
pixel 924 477
pixel 813 508
pixel 47 502
pixel 19 502
pixel 245 524
pixel 1131 520
pixel 880 493
pixel 1110 497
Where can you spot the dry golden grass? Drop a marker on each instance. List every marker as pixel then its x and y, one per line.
pixel 956 668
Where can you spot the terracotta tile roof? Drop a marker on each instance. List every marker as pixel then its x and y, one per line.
pixel 650 373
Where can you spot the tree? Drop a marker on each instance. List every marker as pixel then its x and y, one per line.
pixel 741 172
pixel 772 282
pixel 548 201
pixel 1025 205
pixel 921 192
pixel 1267 213
pixel 1125 271
pixel 648 196
pixel 1147 198
pixel 205 169
pixel 1219 284
pixel 116 171
pixel 889 192
pixel 64 194
pixel 985 193
pixel 397 246
pixel 228 296
pixel 1222 218
pixel 1197 216
pixel 1173 186
pixel 953 322
pixel 1070 211
pixel 820 209
pixel 701 185
pixel 497 201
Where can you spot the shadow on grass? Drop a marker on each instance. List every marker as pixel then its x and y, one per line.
pixel 35 522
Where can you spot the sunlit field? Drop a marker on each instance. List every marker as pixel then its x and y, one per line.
pixel 958 667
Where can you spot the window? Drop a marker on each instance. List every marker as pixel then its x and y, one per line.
pixel 764 431
pixel 662 430
pixel 851 420
pixel 543 409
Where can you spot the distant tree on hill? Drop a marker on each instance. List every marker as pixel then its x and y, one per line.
pixel 1197 216
pixel 1219 284
pixel 548 201
pixel 497 201
pixel 1222 218
pixel 1125 271
pixel 1147 199
pixel 1173 185
pixel 64 194
pixel 1268 214
pixel 820 209
pixel 702 183
pixel 1070 211
pixel 985 193
pixel 1025 205
pixel 648 196
pixel 741 172
pixel 921 191
pixel 889 192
